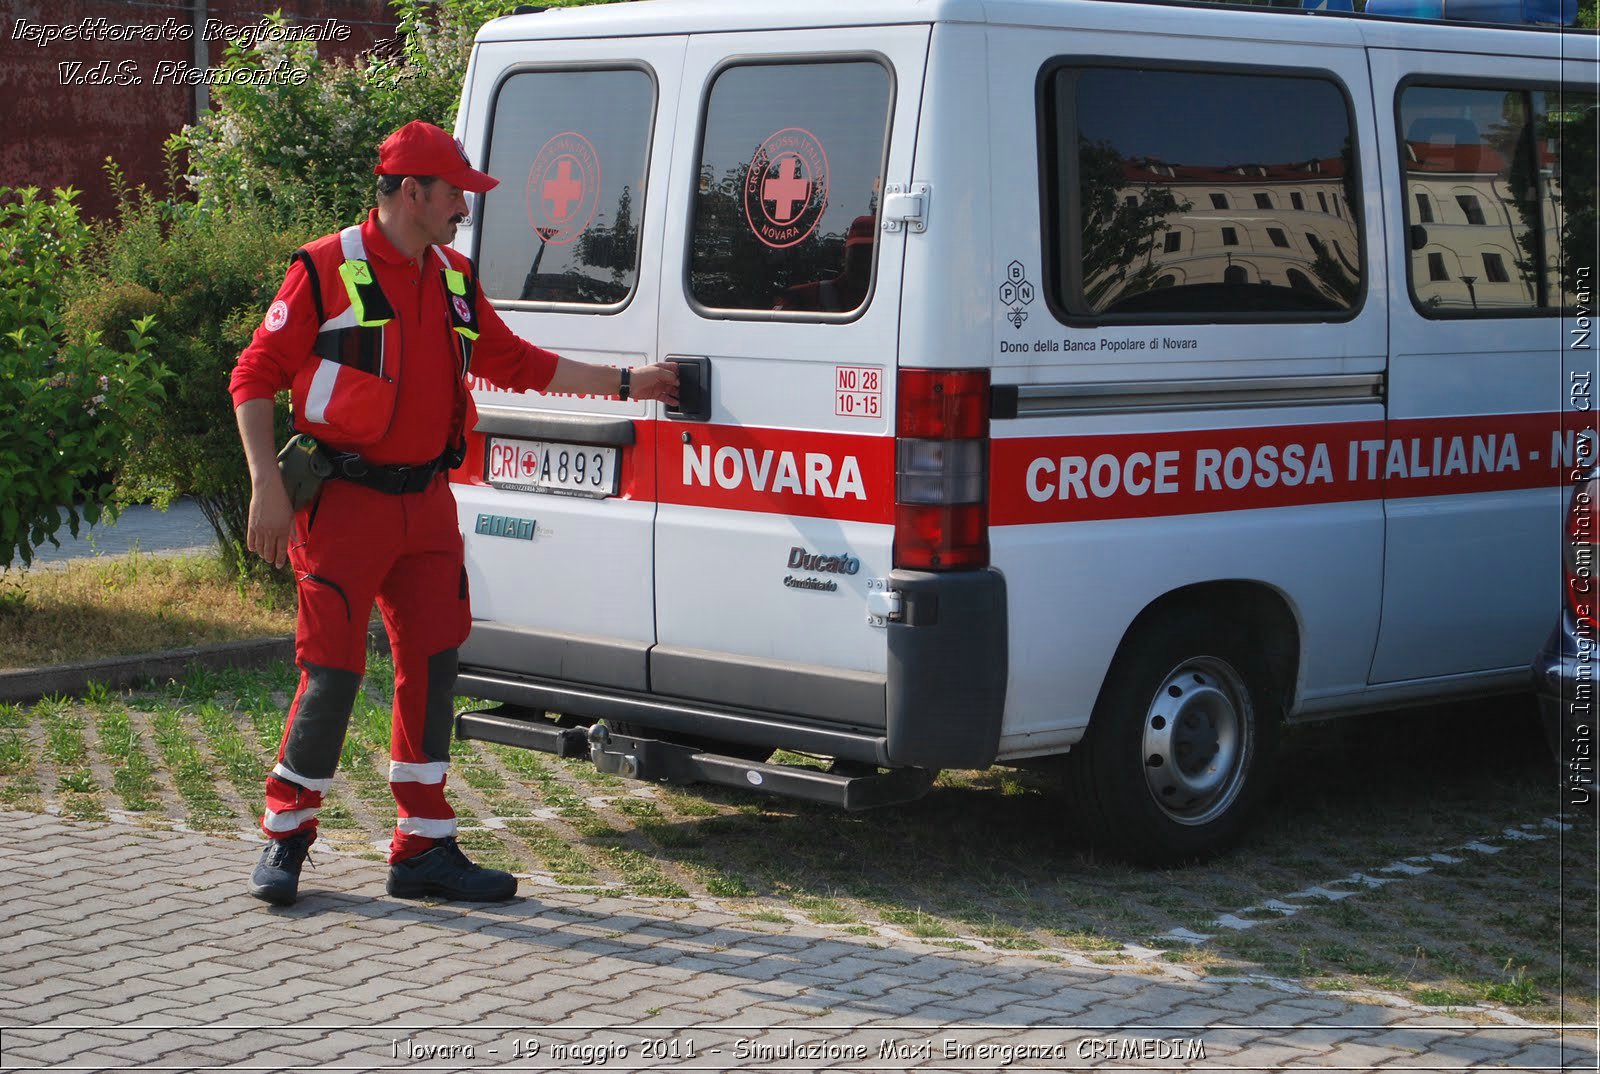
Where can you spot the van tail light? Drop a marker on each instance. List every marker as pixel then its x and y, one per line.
pixel 1580 555
pixel 941 516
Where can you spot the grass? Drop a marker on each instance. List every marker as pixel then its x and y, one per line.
pixel 135 603
pixel 567 864
pixel 192 773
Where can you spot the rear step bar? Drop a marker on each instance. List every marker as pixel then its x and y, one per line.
pixel 668 762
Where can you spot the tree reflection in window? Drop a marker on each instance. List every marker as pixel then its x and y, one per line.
pixel 840 111
pixel 1567 125
pixel 572 149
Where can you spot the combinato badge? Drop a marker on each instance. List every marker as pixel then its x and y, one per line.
pixel 786 187
pixel 563 188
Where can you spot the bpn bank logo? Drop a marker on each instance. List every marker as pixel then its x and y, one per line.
pixel 563 188
pixel 786 187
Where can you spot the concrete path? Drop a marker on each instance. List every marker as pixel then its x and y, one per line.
pixel 182 528
pixel 127 949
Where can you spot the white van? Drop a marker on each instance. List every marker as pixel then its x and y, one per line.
pixel 1064 379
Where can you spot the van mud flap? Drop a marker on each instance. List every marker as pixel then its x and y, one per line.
pixel 849 787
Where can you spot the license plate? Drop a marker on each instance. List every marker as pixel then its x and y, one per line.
pixel 551 466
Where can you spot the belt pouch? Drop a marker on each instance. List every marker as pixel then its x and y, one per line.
pixel 304 466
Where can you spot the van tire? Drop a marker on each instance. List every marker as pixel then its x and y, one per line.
pixel 1179 745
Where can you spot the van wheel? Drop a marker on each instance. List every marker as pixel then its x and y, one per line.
pixel 1175 755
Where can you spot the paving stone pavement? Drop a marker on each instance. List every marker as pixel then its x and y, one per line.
pixel 127 949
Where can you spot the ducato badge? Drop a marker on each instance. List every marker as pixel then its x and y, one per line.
pixel 802 560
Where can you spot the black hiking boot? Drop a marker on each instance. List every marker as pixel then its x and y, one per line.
pixel 444 872
pixel 277 875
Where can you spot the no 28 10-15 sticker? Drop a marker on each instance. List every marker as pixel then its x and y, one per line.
pixel 857 391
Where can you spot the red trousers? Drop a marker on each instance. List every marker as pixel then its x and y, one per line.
pixel 353 545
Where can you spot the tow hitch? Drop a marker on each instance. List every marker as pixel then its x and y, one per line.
pixel 651 760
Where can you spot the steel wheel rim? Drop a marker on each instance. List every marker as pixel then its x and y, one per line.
pixel 1197 740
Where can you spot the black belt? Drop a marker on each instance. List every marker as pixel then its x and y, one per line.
pixel 395 480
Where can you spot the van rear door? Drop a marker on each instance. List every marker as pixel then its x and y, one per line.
pixel 557 499
pixel 776 525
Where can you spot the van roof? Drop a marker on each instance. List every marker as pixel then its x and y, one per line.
pixel 649 17
pixel 710 16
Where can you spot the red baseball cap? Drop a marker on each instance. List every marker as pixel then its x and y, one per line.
pixel 420 148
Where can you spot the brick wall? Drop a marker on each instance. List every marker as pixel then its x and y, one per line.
pixel 54 133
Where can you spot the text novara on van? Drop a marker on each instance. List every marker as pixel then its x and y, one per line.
pixel 799 473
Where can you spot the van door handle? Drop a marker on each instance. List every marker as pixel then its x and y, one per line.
pixel 694 389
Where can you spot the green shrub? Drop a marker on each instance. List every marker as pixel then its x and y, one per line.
pixel 310 147
pixel 70 405
pixel 206 279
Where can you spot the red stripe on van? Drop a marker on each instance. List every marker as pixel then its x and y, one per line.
pixel 1142 475
pixel 846 476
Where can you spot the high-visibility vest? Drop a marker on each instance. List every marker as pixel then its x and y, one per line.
pixel 346 394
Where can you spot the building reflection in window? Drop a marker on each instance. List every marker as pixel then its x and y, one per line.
pixel 1214 158
pixel 1517 167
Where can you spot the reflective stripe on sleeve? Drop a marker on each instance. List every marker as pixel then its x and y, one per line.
pixel 417 772
pixel 321 392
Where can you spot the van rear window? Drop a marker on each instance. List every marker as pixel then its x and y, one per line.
pixel 571 149
pixel 791 172
pixel 1200 195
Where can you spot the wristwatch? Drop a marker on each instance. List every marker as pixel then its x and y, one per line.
pixel 622 386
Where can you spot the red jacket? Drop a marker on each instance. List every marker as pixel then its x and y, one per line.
pixel 410 418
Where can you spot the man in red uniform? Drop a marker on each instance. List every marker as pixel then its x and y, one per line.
pixel 373 333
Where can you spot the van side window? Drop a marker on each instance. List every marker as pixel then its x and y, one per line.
pixel 790 178
pixel 571 150
pixel 1519 166
pixel 1173 138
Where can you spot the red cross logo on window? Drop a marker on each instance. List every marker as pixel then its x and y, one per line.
pixel 788 189
pixel 563 188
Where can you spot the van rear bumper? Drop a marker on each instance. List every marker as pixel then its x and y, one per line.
pixel 947 669
pixel 944 693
